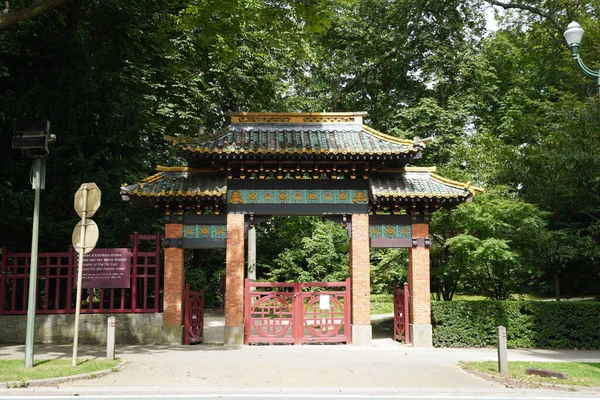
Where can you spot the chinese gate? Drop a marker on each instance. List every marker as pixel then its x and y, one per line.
pixel 297 312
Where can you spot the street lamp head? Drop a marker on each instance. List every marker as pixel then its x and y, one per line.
pixel 573 36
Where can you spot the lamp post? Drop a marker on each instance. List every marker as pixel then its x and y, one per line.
pixel 33 137
pixel 573 36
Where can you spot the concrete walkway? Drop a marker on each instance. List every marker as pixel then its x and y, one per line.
pixel 387 366
pixel 316 366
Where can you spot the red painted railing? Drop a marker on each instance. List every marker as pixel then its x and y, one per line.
pixel 57 274
pixel 297 312
pixel 401 321
pixel 193 327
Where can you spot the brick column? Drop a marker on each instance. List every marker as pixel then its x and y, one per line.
pixel 418 286
pixel 360 275
pixel 173 288
pixel 234 286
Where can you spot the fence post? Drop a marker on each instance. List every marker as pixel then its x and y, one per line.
pixel 186 314
pixel 405 315
pixel 3 273
pixel 110 339
pixel 70 279
pixel 502 352
pixel 157 263
pixel 347 311
pixel 134 272
pixel 247 310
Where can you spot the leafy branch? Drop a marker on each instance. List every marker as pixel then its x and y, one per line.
pixel 9 17
pixel 559 27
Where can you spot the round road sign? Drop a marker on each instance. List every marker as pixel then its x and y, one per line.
pixel 91 237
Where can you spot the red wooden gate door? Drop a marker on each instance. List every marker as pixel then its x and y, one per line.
pixel 297 312
pixel 401 331
pixel 193 329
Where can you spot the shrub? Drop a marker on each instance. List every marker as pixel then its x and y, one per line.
pixel 529 324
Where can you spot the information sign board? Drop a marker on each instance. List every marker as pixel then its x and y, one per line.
pixel 107 269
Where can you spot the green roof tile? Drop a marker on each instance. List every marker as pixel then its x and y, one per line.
pixel 416 184
pixel 173 184
pixel 336 139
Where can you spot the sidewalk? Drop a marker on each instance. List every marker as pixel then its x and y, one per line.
pixel 387 366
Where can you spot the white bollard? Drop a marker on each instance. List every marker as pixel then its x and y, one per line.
pixel 110 338
pixel 502 352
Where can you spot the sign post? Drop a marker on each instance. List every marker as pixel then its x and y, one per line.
pixel 85 237
pixel 33 137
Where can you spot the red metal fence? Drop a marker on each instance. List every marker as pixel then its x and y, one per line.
pixel 57 278
pixel 297 312
pixel 193 327
pixel 401 298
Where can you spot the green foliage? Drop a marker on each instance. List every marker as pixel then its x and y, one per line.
pixel 388 267
pixel 203 270
pixel 320 256
pixel 529 324
pixel 489 245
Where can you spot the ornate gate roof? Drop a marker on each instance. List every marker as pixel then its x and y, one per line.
pixel 301 147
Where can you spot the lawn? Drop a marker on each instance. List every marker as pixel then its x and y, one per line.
pixel 15 371
pixel 382 303
pixel 580 374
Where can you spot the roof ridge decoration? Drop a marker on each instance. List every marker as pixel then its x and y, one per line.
pixel 459 185
pixel 297 117
pixel 161 168
pixel 389 138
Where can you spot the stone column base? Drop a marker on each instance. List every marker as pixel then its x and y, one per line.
pixel 362 335
pixel 233 336
pixel 421 335
pixel 172 335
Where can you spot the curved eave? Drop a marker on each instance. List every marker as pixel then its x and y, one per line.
pixel 459 185
pixel 398 185
pixel 172 194
pixel 420 195
pixel 153 186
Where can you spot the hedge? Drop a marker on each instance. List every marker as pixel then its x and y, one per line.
pixel 529 324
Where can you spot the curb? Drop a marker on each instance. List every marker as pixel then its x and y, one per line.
pixel 49 381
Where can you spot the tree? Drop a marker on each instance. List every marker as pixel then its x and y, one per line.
pixel 496 251
pixel 114 78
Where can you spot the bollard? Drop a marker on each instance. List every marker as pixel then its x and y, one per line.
pixel 110 339
pixel 502 353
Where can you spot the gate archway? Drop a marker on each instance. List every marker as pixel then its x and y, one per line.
pixel 327 164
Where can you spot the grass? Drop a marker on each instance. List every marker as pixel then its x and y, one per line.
pixel 382 303
pixel 580 374
pixel 15 371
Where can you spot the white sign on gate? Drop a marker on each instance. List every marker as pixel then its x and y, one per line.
pixel 324 303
